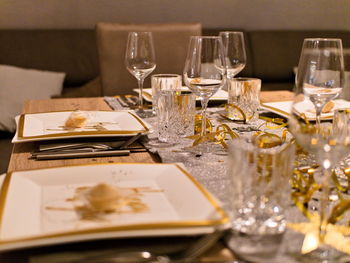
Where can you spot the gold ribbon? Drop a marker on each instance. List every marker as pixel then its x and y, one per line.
pixel 198 124
pixel 268 140
pixel 278 122
pixel 218 136
pixel 332 235
pixel 232 107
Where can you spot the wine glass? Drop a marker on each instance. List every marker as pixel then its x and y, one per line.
pixel 320 71
pixel 140 61
pixel 235 54
pixel 235 57
pixel 318 81
pixel 204 70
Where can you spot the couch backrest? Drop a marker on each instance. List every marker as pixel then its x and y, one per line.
pixel 170 43
pixel 275 53
pixel 271 55
pixel 71 51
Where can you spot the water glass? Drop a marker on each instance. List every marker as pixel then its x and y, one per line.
pixel 244 94
pixel 260 193
pixel 164 82
pixel 175 115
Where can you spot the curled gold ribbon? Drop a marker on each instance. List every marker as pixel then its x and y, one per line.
pixel 278 122
pixel 230 107
pixel 266 139
pixel 218 136
pixel 198 124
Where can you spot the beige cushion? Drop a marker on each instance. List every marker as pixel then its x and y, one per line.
pixel 18 85
pixel 170 40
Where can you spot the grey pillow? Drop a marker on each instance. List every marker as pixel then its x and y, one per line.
pixel 18 85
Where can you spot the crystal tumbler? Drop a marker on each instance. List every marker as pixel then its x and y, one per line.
pixel 260 192
pixel 175 115
pixel 243 94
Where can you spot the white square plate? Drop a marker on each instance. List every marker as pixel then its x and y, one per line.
pixel 37 207
pixel 284 108
pixel 220 95
pixel 50 125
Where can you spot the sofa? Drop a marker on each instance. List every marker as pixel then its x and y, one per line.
pixel 271 56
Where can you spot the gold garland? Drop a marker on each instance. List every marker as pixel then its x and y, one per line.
pixel 218 136
pixel 332 235
pixel 304 186
pixel 224 132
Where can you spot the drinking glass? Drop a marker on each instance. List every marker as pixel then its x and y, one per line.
pixel 244 93
pixel 235 54
pixel 175 115
pixel 320 72
pixel 318 81
pixel 204 70
pixel 161 82
pixel 140 61
pixel 259 177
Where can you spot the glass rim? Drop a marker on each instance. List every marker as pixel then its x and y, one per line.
pixel 245 79
pixel 322 39
pixel 140 32
pixel 205 37
pixel 232 32
pixel 166 75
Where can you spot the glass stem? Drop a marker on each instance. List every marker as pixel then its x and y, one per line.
pixel 204 103
pixel 318 108
pixel 140 84
pixel 327 170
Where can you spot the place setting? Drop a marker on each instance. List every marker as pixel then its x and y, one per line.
pixel 81 134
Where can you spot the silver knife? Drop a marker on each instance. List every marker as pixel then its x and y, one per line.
pixel 81 154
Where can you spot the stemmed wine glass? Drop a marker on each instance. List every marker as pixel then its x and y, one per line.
pixel 204 70
pixel 320 72
pixel 140 61
pixel 319 80
pixel 235 54
pixel 235 57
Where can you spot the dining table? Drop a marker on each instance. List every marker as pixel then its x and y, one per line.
pixel 20 161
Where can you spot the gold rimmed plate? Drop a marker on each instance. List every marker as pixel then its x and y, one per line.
pixel 284 108
pixel 51 125
pixel 40 204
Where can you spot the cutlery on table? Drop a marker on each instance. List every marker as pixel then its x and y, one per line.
pixel 67 155
pixel 79 150
pixel 108 145
pixel 121 101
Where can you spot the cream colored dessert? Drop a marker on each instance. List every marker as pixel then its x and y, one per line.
pixel 77 119
pixel 105 198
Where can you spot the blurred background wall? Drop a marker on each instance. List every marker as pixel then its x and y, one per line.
pixel 240 14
